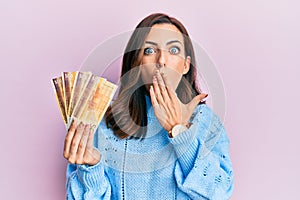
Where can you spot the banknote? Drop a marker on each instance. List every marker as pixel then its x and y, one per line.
pixel 80 82
pixel 58 89
pixel 106 94
pixel 68 79
pixel 83 96
pixel 90 115
pixel 83 101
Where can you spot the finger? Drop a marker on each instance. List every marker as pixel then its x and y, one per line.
pixel 168 87
pixel 157 109
pixel 75 142
pixel 153 97
pixel 162 86
pixel 93 157
pixel 69 138
pixel 90 140
pixel 156 90
pixel 166 80
pixel 90 145
pixel 171 92
pixel 96 155
pixel 83 143
pixel 196 100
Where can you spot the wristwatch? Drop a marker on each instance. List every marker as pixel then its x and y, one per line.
pixel 177 129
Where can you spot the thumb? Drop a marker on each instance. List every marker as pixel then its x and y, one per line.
pixel 195 101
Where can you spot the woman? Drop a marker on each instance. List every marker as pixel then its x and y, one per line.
pixel 159 140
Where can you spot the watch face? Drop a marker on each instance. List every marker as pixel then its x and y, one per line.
pixel 178 129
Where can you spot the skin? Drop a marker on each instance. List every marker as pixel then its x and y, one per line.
pixel 164 58
pixel 79 145
pixel 163 50
pixel 162 65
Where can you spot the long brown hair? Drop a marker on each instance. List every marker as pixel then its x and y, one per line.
pixel 127 116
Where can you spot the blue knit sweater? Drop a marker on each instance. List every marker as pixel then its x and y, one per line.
pixel 193 165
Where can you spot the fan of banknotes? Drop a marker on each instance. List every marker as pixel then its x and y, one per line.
pixel 83 96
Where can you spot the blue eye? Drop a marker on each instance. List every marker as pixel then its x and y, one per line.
pixel 174 50
pixel 149 51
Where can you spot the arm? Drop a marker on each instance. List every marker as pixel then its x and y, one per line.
pixel 87 182
pixel 204 169
pixel 86 178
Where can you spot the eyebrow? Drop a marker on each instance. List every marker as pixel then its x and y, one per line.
pixel 149 42
pixel 174 41
pixel 168 43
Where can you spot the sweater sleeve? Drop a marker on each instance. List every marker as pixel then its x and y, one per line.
pixel 87 182
pixel 203 169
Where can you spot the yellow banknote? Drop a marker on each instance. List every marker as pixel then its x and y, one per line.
pixel 58 89
pixel 83 96
pixel 90 115
pixel 106 94
pixel 83 101
pixel 81 80
pixel 68 79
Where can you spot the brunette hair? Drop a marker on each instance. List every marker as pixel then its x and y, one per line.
pixel 127 116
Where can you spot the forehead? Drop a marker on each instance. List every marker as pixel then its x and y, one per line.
pixel 162 33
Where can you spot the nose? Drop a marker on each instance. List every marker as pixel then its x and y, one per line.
pixel 162 58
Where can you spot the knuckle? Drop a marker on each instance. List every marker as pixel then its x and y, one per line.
pixel 72 129
pixel 86 131
pixel 74 145
pixel 79 161
pixel 67 140
pixel 66 155
pixel 71 160
pixel 80 128
pixel 81 145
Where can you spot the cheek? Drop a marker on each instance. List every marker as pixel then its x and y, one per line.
pixel 172 76
pixel 174 69
pixel 149 59
pixel 177 64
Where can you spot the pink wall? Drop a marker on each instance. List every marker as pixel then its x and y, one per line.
pixel 255 45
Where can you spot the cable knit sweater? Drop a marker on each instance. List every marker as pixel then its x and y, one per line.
pixel 193 165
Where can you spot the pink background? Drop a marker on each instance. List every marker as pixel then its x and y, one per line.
pixel 255 45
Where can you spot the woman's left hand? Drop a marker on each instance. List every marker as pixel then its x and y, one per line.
pixel 168 109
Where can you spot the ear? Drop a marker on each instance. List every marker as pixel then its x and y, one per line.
pixel 187 63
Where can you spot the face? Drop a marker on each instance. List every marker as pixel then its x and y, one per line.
pixel 163 50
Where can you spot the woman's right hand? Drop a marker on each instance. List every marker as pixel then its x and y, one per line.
pixel 79 145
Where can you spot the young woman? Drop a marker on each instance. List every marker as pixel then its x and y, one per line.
pixel 158 140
